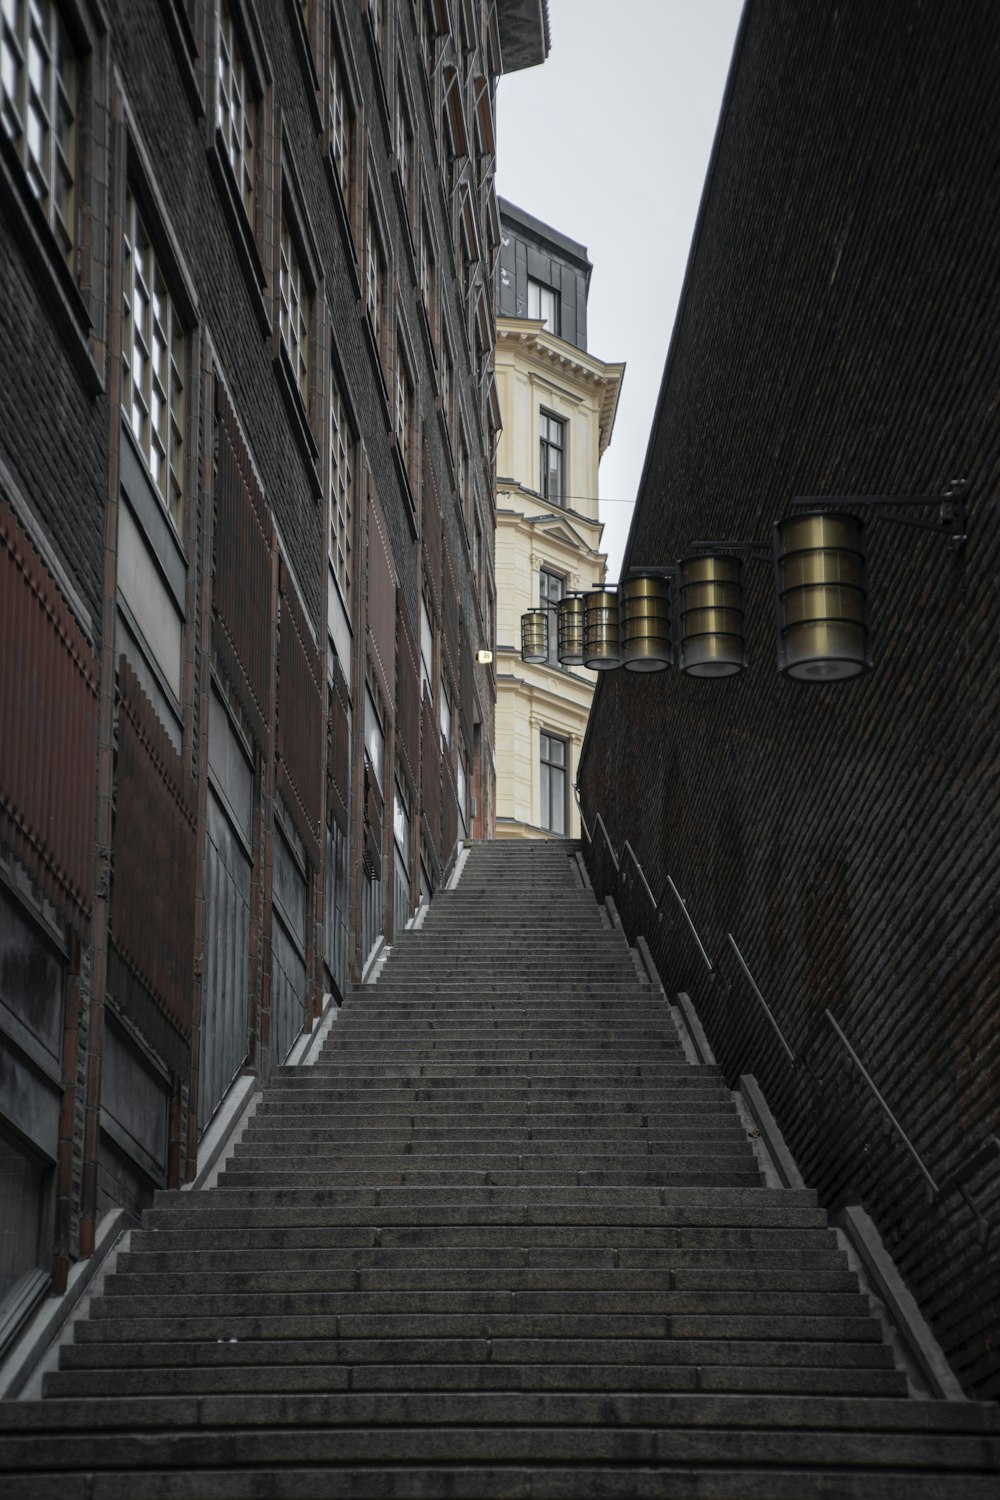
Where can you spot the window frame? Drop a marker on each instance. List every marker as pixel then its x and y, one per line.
pixel 547 768
pixel 546 446
pixel 341 439
pixel 543 289
pixel 550 603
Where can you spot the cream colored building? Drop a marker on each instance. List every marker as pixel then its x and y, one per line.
pixel 557 405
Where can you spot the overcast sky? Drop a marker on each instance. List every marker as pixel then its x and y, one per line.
pixel 609 142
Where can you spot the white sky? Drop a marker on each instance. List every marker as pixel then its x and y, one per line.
pixel 608 141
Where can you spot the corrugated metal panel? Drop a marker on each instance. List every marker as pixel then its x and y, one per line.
pixel 300 721
pixel 407 691
pixel 48 727
pixel 241 572
pixel 288 991
pixel 152 893
pixel 225 999
pixel 381 599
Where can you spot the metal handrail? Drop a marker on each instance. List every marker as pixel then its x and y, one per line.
pixel 956 1182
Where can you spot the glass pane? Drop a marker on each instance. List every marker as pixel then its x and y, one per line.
pixel 558 823
pixel 545 796
pixel 22 1185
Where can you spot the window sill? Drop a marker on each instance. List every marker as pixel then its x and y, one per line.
pixel 242 234
pixel 52 277
pixel 301 430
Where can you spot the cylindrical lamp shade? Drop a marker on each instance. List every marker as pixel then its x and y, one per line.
pixel 822 597
pixel 645 623
pixel 712 639
pixel 535 636
pixel 602 630
pixel 572 623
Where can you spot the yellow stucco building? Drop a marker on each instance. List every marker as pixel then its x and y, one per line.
pixel 557 405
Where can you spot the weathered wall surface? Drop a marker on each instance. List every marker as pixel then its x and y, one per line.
pixel 838 336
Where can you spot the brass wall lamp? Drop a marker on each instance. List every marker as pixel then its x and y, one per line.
pixel 819 569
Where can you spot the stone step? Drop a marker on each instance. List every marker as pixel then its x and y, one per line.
pixel 126 1327
pixel 256 1156
pixel 252 1176
pixel 279 1132
pixel 713 1262
pixel 492 1376
pixel 206 1281
pixel 720 1354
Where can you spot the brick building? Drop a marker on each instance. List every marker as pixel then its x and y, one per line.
pixel 247 427
pixel 837 336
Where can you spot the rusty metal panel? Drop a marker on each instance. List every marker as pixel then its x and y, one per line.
pixel 241 572
pixel 407 691
pixel 48 727
pixel 381 599
pixel 153 844
pixel 300 721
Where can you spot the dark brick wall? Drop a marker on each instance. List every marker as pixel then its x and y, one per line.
pixel 838 335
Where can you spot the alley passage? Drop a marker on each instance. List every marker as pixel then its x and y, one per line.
pixel 501 1241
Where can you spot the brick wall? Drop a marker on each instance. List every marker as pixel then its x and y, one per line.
pixel 838 335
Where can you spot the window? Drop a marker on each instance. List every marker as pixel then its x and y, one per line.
pixel 152 359
pixel 404 407
pixel 404 146
pixel 374 737
pixel 37 98
pixel 447 384
pixel 464 497
pixel 340 123
pixel 553 760
pixel 374 278
pixel 294 297
pixel 427 274
pixel 551 589
pixel 445 717
pixel 236 109
pixel 340 495
pixel 552 432
pixel 543 303
pixel 463 797
pixel 426 650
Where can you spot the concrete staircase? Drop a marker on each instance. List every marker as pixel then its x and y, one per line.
pixel 501 1241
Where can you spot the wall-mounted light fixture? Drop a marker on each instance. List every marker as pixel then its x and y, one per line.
pixel 817 557
pixel 572 628
pixel 535 636
pixel 602 630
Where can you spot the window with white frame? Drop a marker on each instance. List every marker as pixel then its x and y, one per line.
pixel 445 716
pixel 463 796
pixel 152 362
pixel 38 106
pixel 543 303
pixel 295 300
pixel 404 405
pixel 341 122
pixel 236 108
pixel 374 277
pixel 553 760
pixel 552 466
pixel 374 737
pixel 426 650
pixel 551 588
pixel 341 509
pixel 404 145
pixel 427 273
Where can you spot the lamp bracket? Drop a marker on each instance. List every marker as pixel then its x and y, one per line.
pixel 950 505
pixel 755 551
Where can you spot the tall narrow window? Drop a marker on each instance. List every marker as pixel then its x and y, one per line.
pixel 427 272
pixel 553 760
pixel 374 278
pixel 236 109
pixel 426 650
pixel 404 147
pixel 152 355
pixel 340 495
pixel 37 105
pixel 294 294
pixel 543 303
pixel 552 445
pixel 404 407
pixel 445 717
pixel 341 124
pixel 551 589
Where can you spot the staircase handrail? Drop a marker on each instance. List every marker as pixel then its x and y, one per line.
pixel 956 1181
